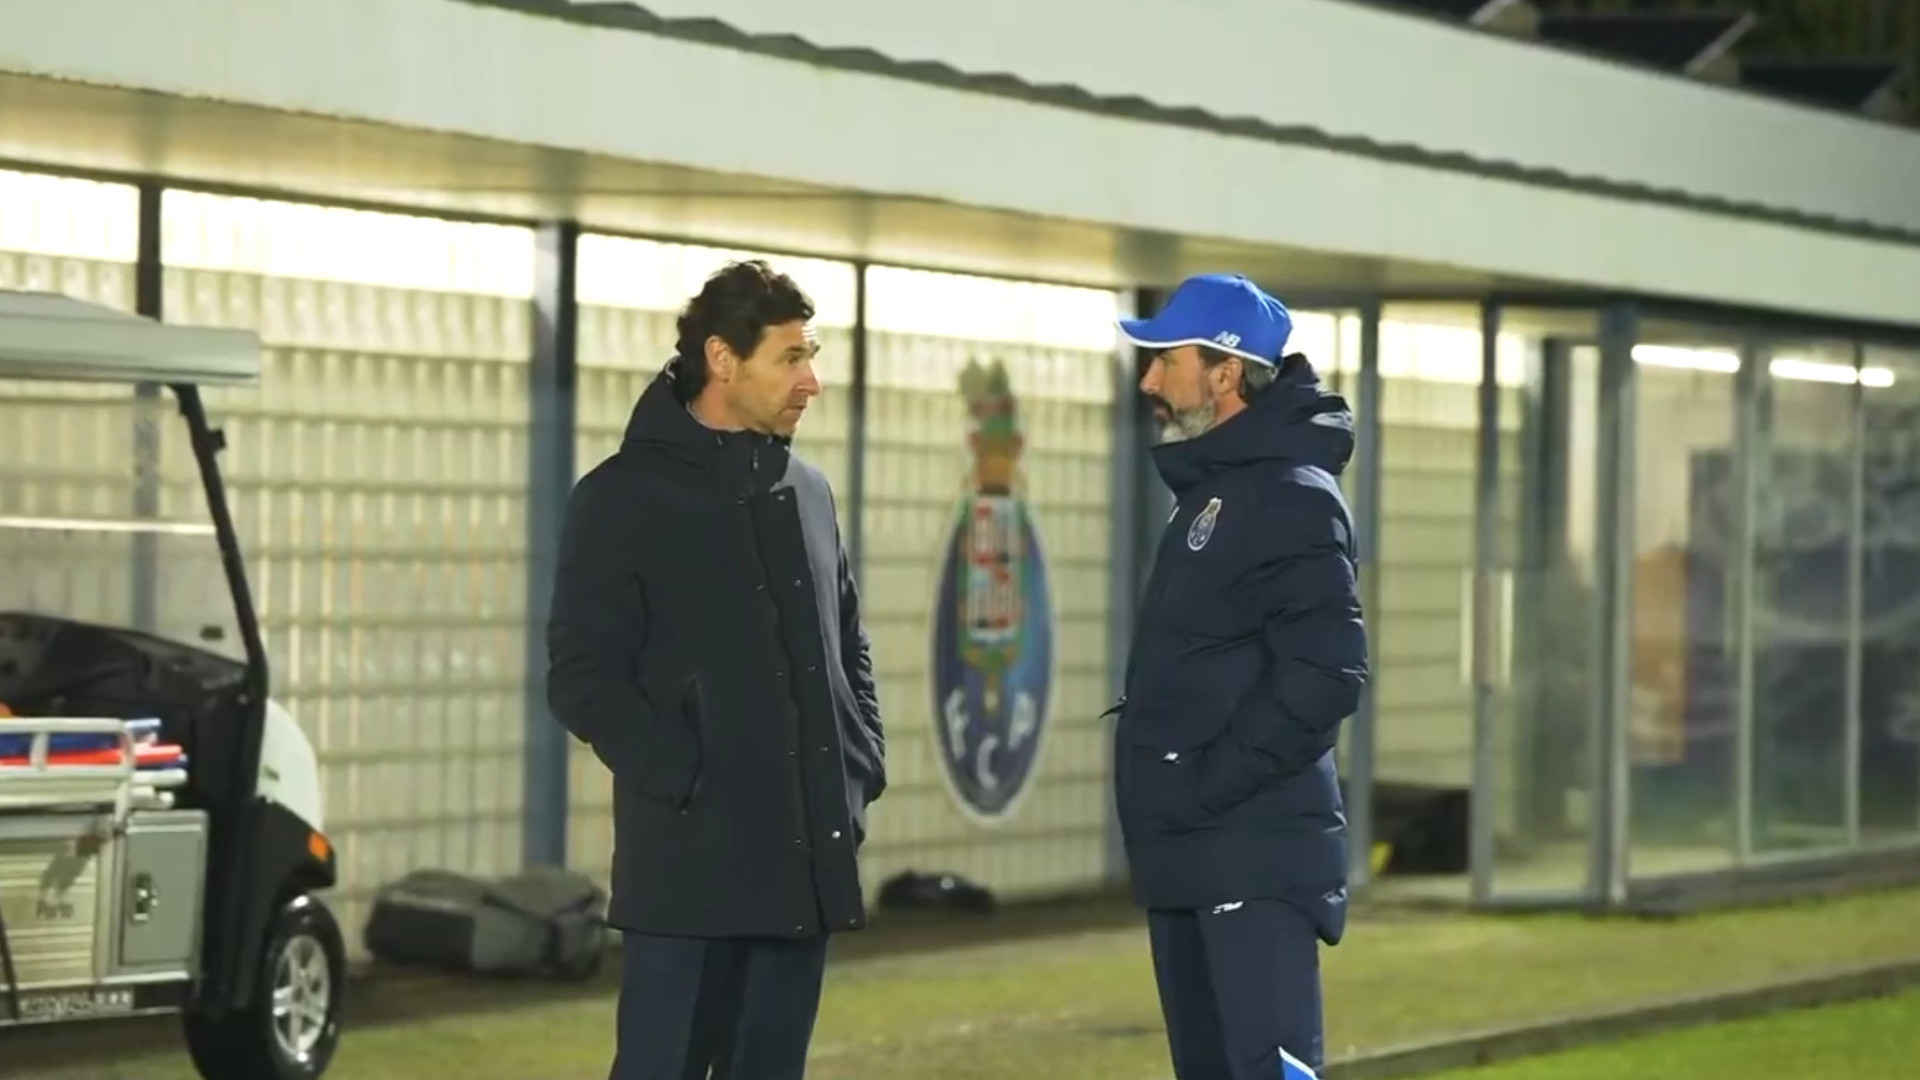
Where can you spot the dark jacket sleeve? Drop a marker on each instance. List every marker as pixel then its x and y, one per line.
pixel 596 632
pixel 1304 591
pixel 857 659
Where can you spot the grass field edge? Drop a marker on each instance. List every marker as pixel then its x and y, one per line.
pixel 1538 1038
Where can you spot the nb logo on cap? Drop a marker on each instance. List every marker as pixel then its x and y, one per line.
pixel 1227 338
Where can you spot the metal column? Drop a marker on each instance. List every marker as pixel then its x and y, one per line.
pixel 1140 503
pixel 1856 599
pixel 856 494
pixel 1752 440
pixel 1613 630
pixel 1358 768
pixel 1487 614
pixel 148 289
pixel 553 383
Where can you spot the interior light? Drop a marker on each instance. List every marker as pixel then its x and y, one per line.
pixel 1780 367
pixel 1673 356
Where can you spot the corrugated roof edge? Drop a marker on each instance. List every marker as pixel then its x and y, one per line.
pixel 621 15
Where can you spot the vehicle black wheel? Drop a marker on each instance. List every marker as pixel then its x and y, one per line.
pixel 291 1028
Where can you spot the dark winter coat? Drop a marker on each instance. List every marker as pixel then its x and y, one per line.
pixel 1248 655
pixel 705 641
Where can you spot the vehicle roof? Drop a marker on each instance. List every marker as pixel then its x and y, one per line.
pixel 50 336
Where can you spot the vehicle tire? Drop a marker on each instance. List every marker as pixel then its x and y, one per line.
pixel 292 1026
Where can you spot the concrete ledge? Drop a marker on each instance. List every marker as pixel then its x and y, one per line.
pixel 1567 1033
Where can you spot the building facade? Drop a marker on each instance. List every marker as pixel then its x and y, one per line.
pixel 1636 467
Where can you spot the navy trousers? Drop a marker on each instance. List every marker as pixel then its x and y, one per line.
pixel 1240 990
pixel 716 1013
pixel 744 1006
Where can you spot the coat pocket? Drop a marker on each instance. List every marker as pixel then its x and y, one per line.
pixel 693 708
pixel 672 764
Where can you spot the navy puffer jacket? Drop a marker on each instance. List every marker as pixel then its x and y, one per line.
pixel 1249 653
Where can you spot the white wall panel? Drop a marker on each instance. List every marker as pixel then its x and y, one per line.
pixel 1057 347
pixel 378 477
pixel 1430 360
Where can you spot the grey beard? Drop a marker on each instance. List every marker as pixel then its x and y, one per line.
pixel 1188 423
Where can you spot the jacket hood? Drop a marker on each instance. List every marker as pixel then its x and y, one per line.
pixel 660 422
pixel 1297 420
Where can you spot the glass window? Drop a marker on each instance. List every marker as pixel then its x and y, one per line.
pixel 378 475
pixel 1889 752
pixel 1430 362
pixel 986 528
pixel 1681 707
pixel 1541 665
pixel 1799 599
pixel 72 450
pixel 75 237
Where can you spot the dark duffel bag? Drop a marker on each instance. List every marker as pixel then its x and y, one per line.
pixel 540 922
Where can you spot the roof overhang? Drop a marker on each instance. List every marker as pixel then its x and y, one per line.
pixel 531 117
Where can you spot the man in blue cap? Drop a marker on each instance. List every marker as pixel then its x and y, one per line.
pixel 1248 654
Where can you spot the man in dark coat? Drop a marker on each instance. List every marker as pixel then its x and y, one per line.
pixel 1248 654
pixel 705 641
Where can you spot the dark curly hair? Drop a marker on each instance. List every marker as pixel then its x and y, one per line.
pixel 736 304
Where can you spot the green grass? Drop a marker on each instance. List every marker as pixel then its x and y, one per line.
pixel 1080 1005
pixel 1872 1040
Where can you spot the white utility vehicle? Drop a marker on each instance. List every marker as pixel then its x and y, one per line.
pixel 161 838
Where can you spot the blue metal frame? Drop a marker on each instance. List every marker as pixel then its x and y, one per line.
pixel 1856 599
pixel 1613 614
pixel 1358 768
pixel 856 493
pixel 148 290
pixel 1139 506
pixel 553 398
pixel 1486 613
pixel 1752 435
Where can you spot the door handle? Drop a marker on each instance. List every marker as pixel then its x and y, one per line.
pixel 143 898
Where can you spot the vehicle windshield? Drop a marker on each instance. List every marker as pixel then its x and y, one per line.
pixel 103 518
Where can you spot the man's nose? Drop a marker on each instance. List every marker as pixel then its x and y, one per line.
pixel 809 380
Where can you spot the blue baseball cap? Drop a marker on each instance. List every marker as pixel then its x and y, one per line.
pixel 1221 311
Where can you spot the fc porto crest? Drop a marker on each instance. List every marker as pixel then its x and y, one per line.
pixel 1201 530
pixel 993 618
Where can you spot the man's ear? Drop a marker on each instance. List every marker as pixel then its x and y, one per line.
pixel 1228 374
pixel 719 360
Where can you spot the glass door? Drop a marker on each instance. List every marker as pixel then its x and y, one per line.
pixel 1535 611
pixel 1802 590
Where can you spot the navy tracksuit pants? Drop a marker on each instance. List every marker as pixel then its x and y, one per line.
pixel 1240 990
pixel 745 1007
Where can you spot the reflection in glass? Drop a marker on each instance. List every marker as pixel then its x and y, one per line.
pixel 1543 671
pixel 1800 597
pixel 1681 705
pixel 1420 625
pixel 1423 718
pixel 1890 596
